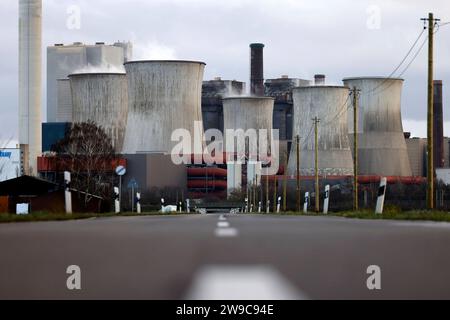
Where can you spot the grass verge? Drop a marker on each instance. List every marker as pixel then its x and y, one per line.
pixel 389 215
pixel 45 216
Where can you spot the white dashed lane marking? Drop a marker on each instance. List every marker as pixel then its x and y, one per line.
pixel 223 224
pixel 224 229
pixel 242 283
pixel 226 232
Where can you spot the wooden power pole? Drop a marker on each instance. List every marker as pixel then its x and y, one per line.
pixel 355 92
pixel 285 183
pixel 316 164
pixel 297 141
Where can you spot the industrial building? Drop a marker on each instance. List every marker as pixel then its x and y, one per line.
pixel 140 104
pixel 63 60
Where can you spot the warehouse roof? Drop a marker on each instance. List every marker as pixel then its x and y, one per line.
pixel 26 186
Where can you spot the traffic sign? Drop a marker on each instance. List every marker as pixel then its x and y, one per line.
pixel 121 170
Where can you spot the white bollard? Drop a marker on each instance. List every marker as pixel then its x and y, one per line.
pixel 326 199
pixel 305 204
pixel 116 200
pixel 268 206
pixel 188 206
pixel 279 205
pixel 138 202
pixel 259 207
pixel 67 193
pixel 381 196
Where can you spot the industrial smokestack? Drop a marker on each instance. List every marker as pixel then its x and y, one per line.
pixel 30 85
pixel 319 79
pixel 438 126
pixel 257 69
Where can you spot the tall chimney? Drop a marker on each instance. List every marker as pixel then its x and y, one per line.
pixel 30 83
pixel 438 127
pixel 319 79
pixel 257 69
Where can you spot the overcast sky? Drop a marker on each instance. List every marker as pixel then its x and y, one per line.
pixel 339 38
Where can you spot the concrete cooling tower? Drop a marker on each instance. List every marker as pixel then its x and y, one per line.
pixel 382 146
pixel 103 99
pixel 163 96
pixel 329 104
pixel 248 113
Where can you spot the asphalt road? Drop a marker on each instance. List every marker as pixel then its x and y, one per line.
pixel 197 257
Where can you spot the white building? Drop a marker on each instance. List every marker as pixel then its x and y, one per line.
pixel 9 164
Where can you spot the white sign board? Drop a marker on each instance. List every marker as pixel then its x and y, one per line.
pixel 22 209
pixel 9 164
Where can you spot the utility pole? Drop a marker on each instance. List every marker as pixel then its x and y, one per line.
pixel 355 92
pixel 430 166
pixel 298 196
pixel 275 194
pixel 285 182
pixel 316 162
pixel 267 194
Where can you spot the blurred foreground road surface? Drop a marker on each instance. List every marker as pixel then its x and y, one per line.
pixel 225 257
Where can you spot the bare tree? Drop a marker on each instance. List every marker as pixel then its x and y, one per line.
pixel 87 152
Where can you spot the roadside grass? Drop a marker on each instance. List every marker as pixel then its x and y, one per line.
pixel 45 216
pixel 390 214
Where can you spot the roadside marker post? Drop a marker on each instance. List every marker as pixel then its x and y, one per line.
pixel 116 200
pixel 305 204
pixel 279 205
pixel 67 193
pixel 381 196
pixel 326 199
pixel 138 202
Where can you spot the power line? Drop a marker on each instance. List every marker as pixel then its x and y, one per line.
pixel 401 63
pixel 404 70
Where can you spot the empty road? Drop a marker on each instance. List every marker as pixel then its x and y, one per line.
pixel 225 257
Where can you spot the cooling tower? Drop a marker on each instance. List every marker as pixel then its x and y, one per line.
pixel 382 147
pixel 103 99
pixel 329 104
pixel 30 83
pixel 248 113
pixel 163 96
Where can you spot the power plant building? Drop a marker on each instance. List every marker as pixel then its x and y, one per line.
pixel 63 60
